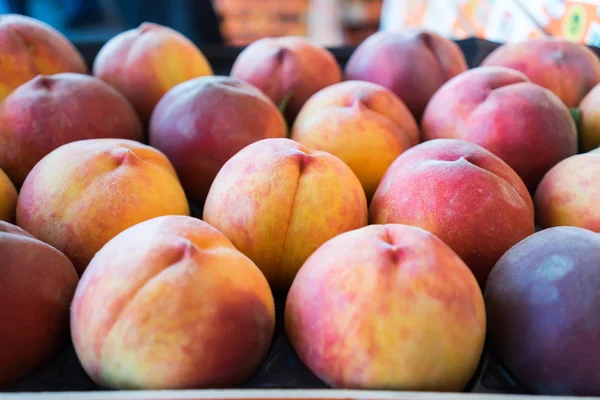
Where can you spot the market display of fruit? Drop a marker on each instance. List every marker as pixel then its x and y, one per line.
pixel 397 223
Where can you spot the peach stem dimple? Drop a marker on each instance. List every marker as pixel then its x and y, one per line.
pixel 124 155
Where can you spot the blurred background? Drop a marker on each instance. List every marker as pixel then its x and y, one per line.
pixel 333 23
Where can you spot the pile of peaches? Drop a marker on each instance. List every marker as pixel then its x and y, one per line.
pixel 411 210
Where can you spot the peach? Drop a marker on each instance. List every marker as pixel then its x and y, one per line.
pixel 542 305
pixel 144 63
pixel 570 70
pixel 84 193
pixel 31 47
pixel 413 64
pixel 589 124
pixel 498 108
pixel 170 303
pixel 463 194
pixel 387 307
pixel 37 283
pixel 8 198
pixel 278 201
pixel 202 123
pixel 362 123
pixel 49 111
pixel 568 194
pixel 287 69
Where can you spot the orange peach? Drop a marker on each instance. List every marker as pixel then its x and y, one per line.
pixel 31 47
pixel 171 304
pixel 387 307
pixel 589 125
pixel 37 283
pixel 463 194
pixel 570 70
pixel 498 108
pixel 278 201
pixel 362 123
pixel 144 63
pixel 413 64
pixel 84 193
pixel 49 111
pixel 568 194
pixel 287 68
pixel 8 198
pixel 202 123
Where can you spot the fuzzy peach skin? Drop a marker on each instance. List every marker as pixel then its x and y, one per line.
pixel 278 201
pixel 568 194
pixel 589 134
pixel 31 47
pixel 37 283
pixel 8 198
pixel 144 63
pixel 49 111
pixel 413 64
pixel 171 304
pixel 387 307
pixel 570 70
pixel 202 123
pixel 287 66
pixel 498 108
pixel 84 193
pixel 362 123
pixel 463 194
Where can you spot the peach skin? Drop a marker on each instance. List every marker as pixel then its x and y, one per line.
pixel 8 198
pixel 278 201
pixel 37 283
pixel 570 70
pixel 31 47
pixel 144 63
pixel 49 111
pixel 387 307
pixel 202 123
pixel 498 108
pixel 84 193
pixel 362 123
pixel 171 304
pixel 413 64
pixel 463 194
pixel 568 194
pixel 289 68
pixel 589 125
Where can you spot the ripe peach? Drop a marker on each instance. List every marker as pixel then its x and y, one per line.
pixel 37 283
pixel 8 198
pixel 387 307
pixel 568 194
pixel 542 302
pixel 498 108
pixel 84 193
pixel 463 194
pixel 170 303
pixel 278 201
pixel 31 47
pixel 590 120
pixel 290 67
pixel 413 64
pixel 144 63
pixel 202 123
pixel 49 111
pixel 570 70
pixel 362 123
